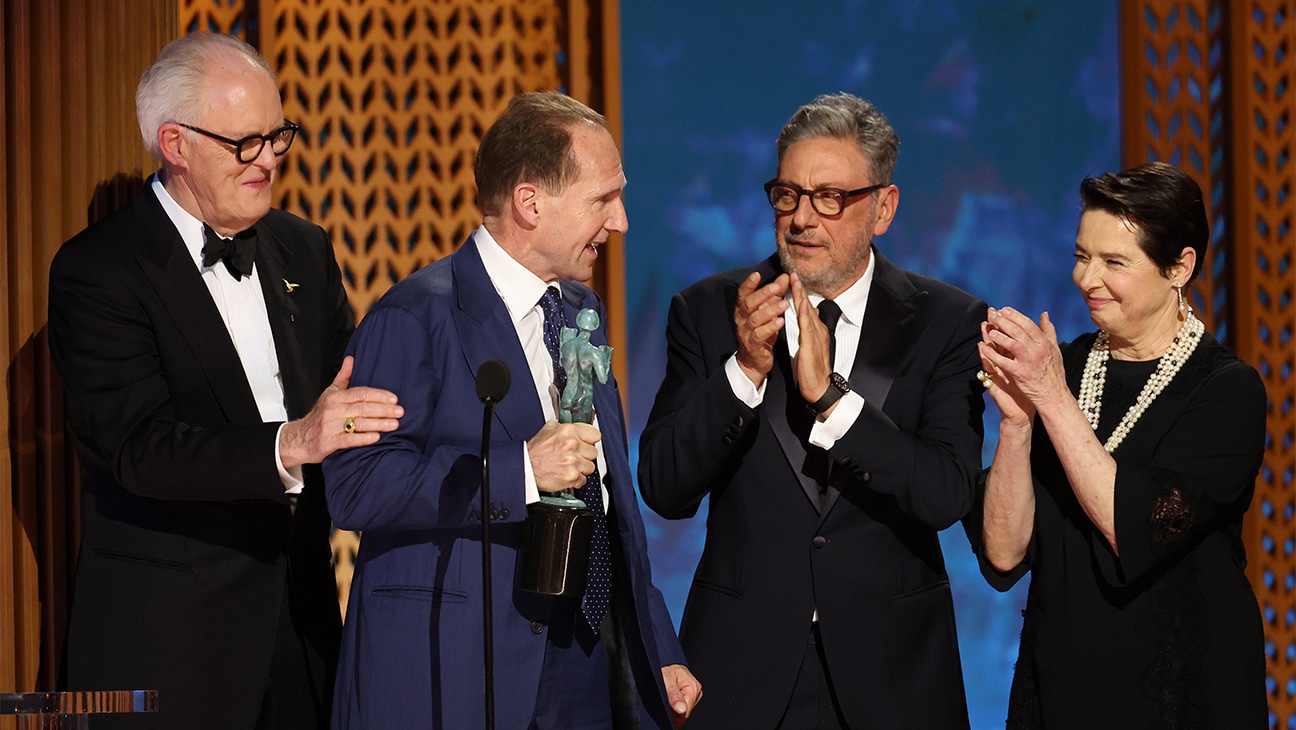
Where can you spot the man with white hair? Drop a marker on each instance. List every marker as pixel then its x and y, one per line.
pixel 198 334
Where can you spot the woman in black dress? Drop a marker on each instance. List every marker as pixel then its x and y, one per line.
pixel 1126 461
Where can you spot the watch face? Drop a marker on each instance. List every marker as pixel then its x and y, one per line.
pixel 839 383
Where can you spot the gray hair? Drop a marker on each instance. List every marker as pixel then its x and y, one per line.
pixel 846 116
pixel 172 88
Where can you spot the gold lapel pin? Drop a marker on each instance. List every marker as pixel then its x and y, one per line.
pixel 291 286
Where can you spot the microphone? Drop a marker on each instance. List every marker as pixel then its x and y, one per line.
pixel 493 380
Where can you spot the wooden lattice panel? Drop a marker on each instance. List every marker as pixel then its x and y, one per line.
pixel 1262 38
pixel 1174 111
pixel 394 97
pixel 213 16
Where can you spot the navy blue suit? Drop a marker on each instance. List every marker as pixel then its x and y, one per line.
pixel 412 647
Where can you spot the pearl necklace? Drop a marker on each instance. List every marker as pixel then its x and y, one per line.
pixel 1095 377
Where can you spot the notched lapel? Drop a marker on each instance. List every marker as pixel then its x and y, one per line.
pixel 487 333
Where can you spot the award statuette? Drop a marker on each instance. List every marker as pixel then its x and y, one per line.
pixel 556 536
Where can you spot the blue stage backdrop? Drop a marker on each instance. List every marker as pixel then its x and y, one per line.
pixel 1002 107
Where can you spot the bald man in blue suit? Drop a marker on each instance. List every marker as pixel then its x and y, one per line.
pixel 550 186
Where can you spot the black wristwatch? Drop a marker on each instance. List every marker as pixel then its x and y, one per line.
pixel 837 387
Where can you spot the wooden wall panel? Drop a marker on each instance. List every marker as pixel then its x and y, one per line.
pixel 395 98
pixel 1262 37
pixel 69 74
pixel 1207 86
pixel 1174 104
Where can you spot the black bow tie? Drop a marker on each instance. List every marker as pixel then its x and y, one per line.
pixel 237 252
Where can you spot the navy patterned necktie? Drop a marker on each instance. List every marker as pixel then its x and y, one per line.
pixel 598 581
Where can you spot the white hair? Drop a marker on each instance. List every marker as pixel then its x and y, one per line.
pixel 171 89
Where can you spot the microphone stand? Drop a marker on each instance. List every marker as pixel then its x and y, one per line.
pixel 492 385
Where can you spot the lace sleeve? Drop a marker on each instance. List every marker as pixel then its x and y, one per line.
pixel 1175 515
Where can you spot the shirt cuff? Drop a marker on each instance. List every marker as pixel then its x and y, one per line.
pixel 291 478
pixel 742 386
pixel 824 434
pixel 528 476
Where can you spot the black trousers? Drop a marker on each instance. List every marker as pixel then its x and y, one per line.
pixel 814 702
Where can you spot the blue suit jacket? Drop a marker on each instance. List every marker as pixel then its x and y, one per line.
pixel 412 645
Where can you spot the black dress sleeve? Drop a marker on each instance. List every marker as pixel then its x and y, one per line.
pixel 1200 478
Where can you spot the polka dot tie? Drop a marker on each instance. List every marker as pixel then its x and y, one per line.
pixel 598 582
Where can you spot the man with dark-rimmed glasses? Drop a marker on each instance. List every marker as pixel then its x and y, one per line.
pixel 198 333
pixel 826 401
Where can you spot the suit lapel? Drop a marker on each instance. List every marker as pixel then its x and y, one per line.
pixel 274 267
pixel 777 400
pixel 885 336
pixel 172 274
pixel 487 333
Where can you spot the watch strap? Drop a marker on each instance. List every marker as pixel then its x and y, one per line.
pixel 837 387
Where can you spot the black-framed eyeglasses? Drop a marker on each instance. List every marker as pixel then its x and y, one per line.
pixel 826 201
pixel 249 148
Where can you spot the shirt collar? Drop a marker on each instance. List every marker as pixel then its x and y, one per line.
pixel 854 300
pixel 190 228
pixel 516 285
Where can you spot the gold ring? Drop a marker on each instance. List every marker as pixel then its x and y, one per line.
pixel 349 425
pixel 985 378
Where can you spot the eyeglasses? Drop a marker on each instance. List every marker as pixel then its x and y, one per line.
pixel 249 148
pixel 825 201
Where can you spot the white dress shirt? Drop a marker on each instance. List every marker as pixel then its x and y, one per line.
pixel 521 291
pixel 825 432
pixel 242 308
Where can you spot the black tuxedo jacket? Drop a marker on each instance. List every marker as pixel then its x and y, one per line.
pixel 189 545
pixel 782 541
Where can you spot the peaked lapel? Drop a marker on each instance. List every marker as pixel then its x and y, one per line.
pixel 487 333
pixel 886 335
pixel 778 385
pixel 779 400
pixel 273 263
pixel 166 264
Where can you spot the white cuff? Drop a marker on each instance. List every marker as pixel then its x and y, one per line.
pixel 291 478
pixel 742 386
pixel 528 476
pixel 825 433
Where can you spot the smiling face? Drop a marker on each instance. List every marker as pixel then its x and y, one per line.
pixel 203 174
pixel 1127 295
pixel 829 253
pixel 571 225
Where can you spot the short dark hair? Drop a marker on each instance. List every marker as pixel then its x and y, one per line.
pixel 530 142
pixel 848 117
pixel 1161 202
